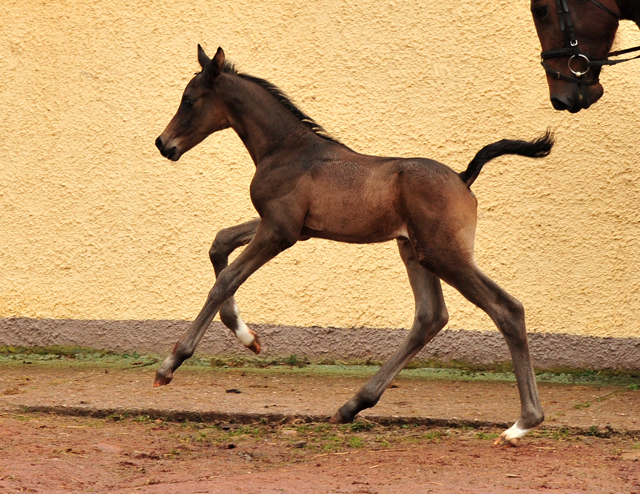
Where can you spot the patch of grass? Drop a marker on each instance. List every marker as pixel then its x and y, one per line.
pixel 439 369
pixel 625 377
pixel 579 406
pixel 314 428
pixel 356 442
pixel 409 426
pixel 55 355
pixel 244 430
pixel 57 351
pixel 560 434
pixel 417 434
pixel 413 439
pixel 202 437
pixel 293 361
pixel 141 418
pixel 487 435
pixel 227 362
pixel 433 435
pixel 331 443
pixel 257 362
pixel 455 370
pixel 461 365
pixel 358 426
pixel 172 454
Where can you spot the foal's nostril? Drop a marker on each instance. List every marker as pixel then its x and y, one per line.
pixel 159 144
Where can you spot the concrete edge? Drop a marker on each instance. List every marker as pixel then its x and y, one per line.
pixel 549 350
pixel 218 418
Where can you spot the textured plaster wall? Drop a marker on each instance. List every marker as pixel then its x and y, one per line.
pixel 94 224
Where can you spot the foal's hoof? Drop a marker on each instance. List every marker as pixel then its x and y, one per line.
pixel 503 442
pixel 161 379
pixel 255 345
pixel 338 418
pixel 511 436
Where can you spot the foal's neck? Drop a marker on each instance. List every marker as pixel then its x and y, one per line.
pixel 629 10
pixel 263 123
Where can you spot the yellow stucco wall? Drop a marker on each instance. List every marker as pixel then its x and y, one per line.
pixel 95 224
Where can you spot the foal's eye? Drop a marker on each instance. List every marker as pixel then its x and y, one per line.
pixel 540 12
pixel 187 104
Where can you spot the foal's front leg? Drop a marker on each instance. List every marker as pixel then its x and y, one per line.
pixel 226 241
pixel 265 245
pixel 430 317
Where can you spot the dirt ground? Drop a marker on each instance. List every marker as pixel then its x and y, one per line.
pixel 52 454
pixel 265 431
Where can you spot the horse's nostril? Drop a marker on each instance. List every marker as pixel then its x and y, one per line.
pixel 159 143
pixel 559 104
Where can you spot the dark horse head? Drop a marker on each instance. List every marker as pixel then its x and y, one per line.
pixel 576 36
pixel 201 113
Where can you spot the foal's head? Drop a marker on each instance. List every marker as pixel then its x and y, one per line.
pixel 201 113
pixel 572 33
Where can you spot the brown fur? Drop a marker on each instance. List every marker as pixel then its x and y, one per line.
pixel 309 185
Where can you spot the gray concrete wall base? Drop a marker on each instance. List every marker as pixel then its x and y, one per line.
pixel 316 343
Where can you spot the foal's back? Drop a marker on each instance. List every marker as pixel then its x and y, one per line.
pixel 361 199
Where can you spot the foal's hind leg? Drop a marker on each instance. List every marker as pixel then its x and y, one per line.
pixel 226 241
pixel 430 317
pixel 508 314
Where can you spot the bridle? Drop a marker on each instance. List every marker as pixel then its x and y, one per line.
pixel 572 50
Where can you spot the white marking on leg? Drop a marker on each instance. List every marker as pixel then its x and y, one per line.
pixel 242 333
pixel 514 432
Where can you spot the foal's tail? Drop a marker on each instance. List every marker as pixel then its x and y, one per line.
pixel 538 148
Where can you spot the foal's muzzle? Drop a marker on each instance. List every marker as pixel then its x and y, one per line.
pixel 169 152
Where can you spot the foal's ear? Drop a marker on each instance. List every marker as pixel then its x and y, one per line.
pixel 218 60
pixel 214 67
pixel 202 57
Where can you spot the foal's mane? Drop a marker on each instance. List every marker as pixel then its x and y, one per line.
pixel 283 99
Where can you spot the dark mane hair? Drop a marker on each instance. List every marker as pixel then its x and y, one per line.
pixel 284 100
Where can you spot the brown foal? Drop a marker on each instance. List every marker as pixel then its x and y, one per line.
pixel 307 184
